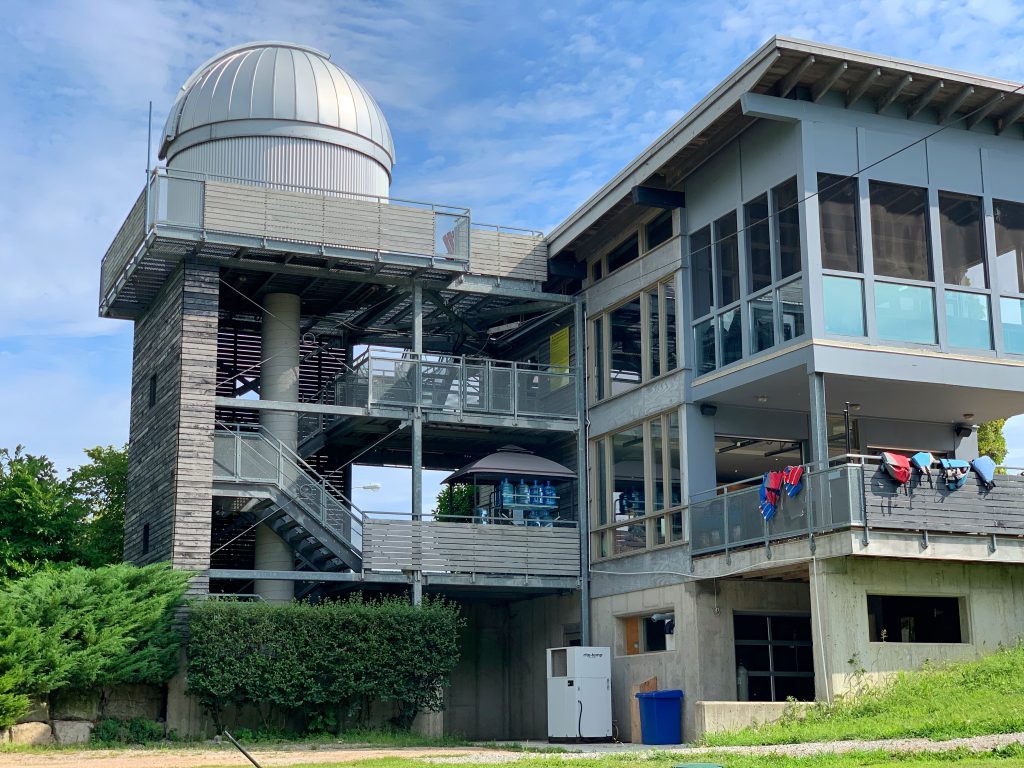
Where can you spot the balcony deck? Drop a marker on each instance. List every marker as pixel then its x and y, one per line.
pixel 182 213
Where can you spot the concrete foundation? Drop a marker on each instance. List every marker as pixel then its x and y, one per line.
pixel 717 716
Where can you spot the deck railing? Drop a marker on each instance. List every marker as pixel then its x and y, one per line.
pixel 458 385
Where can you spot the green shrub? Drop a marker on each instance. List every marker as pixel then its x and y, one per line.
pixel 84 628
pixel 315 659
pixel 139 730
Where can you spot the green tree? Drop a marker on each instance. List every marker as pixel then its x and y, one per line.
pixel 100 487
pixel 991 441
pixel 455 503
pixel 40 521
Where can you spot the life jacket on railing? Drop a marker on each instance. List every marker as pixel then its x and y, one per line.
pixel 896 466
pixel 771 488
pixel 954 472
pixel 792 478
pixel 922 462
pixel 985 469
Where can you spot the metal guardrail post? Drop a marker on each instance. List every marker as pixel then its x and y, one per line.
pixel 515 390
pixel 369 378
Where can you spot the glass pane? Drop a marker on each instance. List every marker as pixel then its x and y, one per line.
pixel 732 336
pixel 967 320
pixel 787 228
pixel 1009 245
pixel 762 323
pixel 654 334
pixel 747 627
pixel 791 307
pixel 799 688
pixel 628 472
pixel 759 243
pixel 844 305
pixel 963 240
pixel 1012 311
pixel 700 271
pixel 659 229
pixel 727 249
pixel 627 356
pixel 755 658
pixel 704 346
pixel 671 361
pixel 837 208
pixel 596 272
pixel 599 372
pixel 675 486
pixel 624 253
pixel 657 466
pixel 601 490
pixel 899 231
pixel 905 312
pixel 791 628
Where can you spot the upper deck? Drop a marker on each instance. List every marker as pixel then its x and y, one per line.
pixel 241 221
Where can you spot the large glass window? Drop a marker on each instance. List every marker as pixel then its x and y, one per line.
pixel 762 323
pixel 759 243
pixel 843 298
pixel 787 228
pixel 774 657
pixel 628 472
pixel 700 272
pixel 669 320
pixel 625 252
pixel 732 336
pixel 1012 312
pixel 654 331
pixel 905 312
pixel 658 230
pixel 704 346
pixel 963 240
pixel 899 231
pixel 626 352
pixel 598 354
pixel 838 203
pixel 967 320
pixel 1009 245
pixel 728 253
pixel 791 307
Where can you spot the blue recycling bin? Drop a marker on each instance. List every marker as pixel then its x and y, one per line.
pixel 661 717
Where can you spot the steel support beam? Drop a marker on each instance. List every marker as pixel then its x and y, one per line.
pixel 581 473
pixel 417 445
pixel 819 419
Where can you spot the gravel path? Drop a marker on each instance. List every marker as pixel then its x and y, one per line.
pixel 225 757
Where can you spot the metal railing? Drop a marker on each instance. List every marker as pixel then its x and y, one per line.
pixel 258 457
pixel 458 384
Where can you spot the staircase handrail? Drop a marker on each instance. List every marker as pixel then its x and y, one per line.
pixel 298 463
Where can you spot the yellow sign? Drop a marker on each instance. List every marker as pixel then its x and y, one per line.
pixel 559 356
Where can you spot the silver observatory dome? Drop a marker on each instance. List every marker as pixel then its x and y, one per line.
pixel 280 113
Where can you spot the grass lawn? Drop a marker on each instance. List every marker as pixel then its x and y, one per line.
pixel 944 702
pixel 1009 757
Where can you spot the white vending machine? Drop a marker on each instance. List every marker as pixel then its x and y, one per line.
pixel 579 694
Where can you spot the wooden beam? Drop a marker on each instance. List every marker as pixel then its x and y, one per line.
pixel 821 87
pixel 892 93
pixel 954 103
pixel 924 99
pixel 858 89
pixel 979 114
pixel 789 81
pixel 1010 118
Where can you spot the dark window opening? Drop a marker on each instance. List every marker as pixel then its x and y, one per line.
pixel 899 231
pixel 145 539
pixel 654 634
pixel 728 254
pixel 963 240
pixel 787 227
pixel 152 390
pixel 622 254
pixel 626 351
pixel 595 271
pixel 1009 245
pixel 759 243
pixel 913 619
pixel 838 204
pixel 659 229
pixel 700 272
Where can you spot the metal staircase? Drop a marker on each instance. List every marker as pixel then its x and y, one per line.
pixel 313 516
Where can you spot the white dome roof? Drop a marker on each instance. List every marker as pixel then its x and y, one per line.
pixel 277 89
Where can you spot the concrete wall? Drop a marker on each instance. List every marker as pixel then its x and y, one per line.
pixel 993 596
pixel 703 663
pixel 499 688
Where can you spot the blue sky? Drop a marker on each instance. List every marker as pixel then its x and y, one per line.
pixel 517 110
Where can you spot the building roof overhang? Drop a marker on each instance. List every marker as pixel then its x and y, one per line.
pixel 782 67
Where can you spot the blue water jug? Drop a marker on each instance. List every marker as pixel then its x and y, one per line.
pixel 508 493
pixel 550 498
pixel 522 492
pixel 536 494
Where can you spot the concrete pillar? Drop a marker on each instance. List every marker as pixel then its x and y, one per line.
pixel 279 380
pixel 819 419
